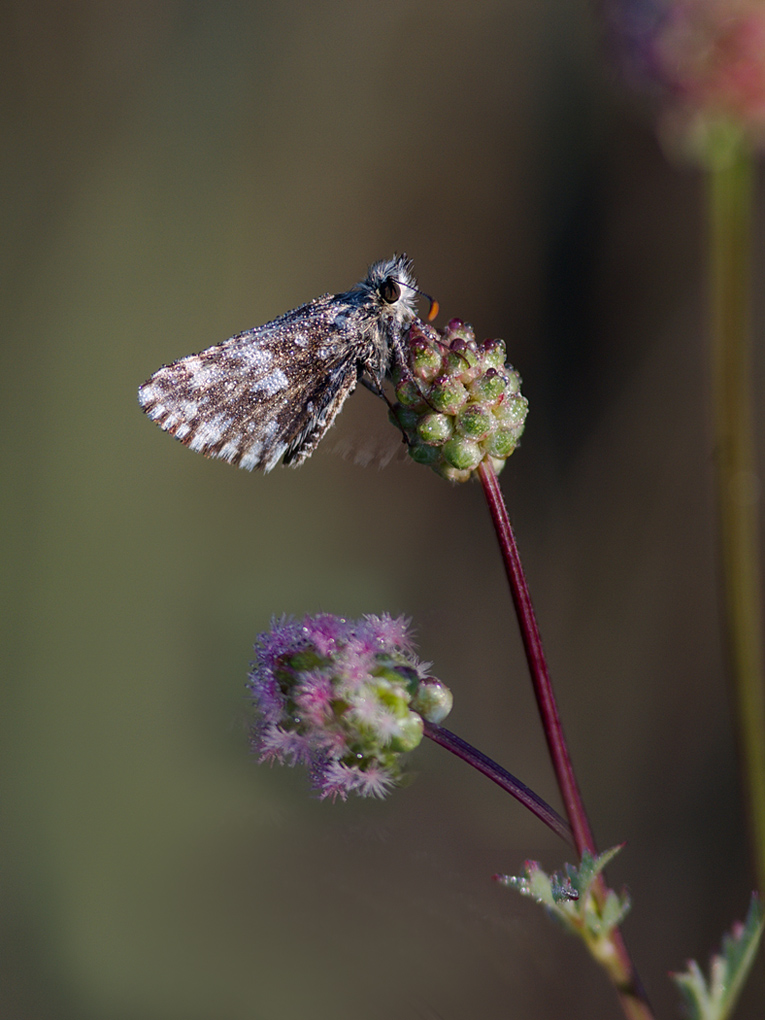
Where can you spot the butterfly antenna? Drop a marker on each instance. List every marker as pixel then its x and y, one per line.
pixel 434 305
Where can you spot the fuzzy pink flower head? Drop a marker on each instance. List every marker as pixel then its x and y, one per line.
pixel 347 698
pixel 704 59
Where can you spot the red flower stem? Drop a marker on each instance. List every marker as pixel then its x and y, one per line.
pixel 540 678
pixel 500 776
pixel 623 974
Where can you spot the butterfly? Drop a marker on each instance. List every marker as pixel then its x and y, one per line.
pixel 272 392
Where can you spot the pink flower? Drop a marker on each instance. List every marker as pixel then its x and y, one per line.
pixel 346 698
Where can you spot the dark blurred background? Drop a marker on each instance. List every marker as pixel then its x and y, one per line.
pixel 174 172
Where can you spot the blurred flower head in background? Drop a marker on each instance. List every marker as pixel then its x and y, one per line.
pixel 702 61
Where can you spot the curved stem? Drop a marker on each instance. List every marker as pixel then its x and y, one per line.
pixel 500 776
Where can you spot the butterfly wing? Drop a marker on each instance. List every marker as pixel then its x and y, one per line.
pixel 269 392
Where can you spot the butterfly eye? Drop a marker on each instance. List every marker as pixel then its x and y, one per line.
pixel 389 291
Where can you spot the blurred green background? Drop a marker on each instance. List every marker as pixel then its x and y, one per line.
pixel 174 172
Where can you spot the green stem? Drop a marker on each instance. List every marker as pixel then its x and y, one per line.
pixel 730 190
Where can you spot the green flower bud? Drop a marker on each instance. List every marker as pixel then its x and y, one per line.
pixel 434 429
pixel 475 422
pixel 408 393
pixel 433 700
pixel 452 474
pixel 456 329
pixel 501 444
pixel 447 394
pixel 405 418
pixel 512 411
pixel 461 361
pixel 463 454
pixel 494 354
pixel 425 360
pixel 408 733
pixel 488 388
pixel 388 688
pixel 513 381
pixel 422 454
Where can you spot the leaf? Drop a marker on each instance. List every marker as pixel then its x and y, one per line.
pixel 728 970
pixel 567 895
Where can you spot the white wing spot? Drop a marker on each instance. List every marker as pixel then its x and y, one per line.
pixel 230 450
pixel 202 375
pixel 148 393
pixel 261 357
pixel 251 457
pixel 210 432
pixel 271 383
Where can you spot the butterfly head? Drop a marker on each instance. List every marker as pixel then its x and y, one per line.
pixel 392 289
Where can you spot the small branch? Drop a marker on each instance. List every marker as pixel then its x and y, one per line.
pixel 501 777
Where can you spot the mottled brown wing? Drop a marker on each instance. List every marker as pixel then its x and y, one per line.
pixel 265 393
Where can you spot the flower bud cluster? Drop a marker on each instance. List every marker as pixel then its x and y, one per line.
pixel 345 698
pixel 457 401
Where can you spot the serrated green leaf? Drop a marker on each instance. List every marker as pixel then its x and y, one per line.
pixel 534 883
pixel 615 909
pixel 569 899
pixel 567 895
pixel 728 970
